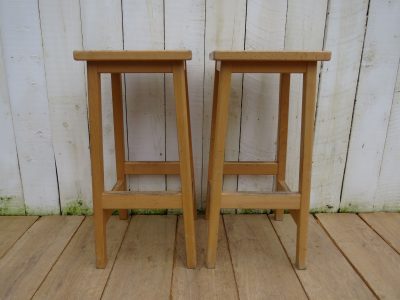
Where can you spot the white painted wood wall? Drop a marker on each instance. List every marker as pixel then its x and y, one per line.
pixel 44 142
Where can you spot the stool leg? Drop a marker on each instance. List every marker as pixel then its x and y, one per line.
pixel 211 151
pixel 96 155
pixel 190 141
pixel 186 173
pixel 284 92
pixel 119 134
pixel 217 166
pixel 307 131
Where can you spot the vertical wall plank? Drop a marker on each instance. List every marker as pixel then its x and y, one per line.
pixel 102 30
pixel 23 58
pixel 372 109
pixel 225 30
pixel 11 195
pixel 388 191
pixel 144 29
pixel 61 31
pixel 265 30
pixel 190 36
pixel 344 37
pixel 305 24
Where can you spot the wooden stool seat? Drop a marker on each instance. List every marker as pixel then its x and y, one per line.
pixel 284 63
pixel 104 202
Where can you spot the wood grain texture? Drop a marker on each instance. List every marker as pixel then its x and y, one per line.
pixel 387 225
pixel 265 29
pixel 11 194
pixel 11 229
pixel 143 24
pixel 143 268
pixel 132 55
pixel 305 24
pixel 24 268
pixel 261 267
pixel 23 58
pixel 328 274
pixel 374 99
pixel 224 29
pixel 102 30
pixel 66 91
pixel 344 35
pixel 375 260
pixel 190 36
pixel 252 55
pixel 203 283
pixel 75 276
pixel 388 189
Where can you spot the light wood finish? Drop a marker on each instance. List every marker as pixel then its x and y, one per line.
pixel 253 168
pixel 104 202
pixel 11 229
pixel 283 124
pixel 151 167
pixel 285 63
pixel 260 200
pixel 328 274
pixel 186 162
pixel 203 283
pixel 376 262
pixel 217 158
pixel 143 268
pixel 261 267
pixel 150 200
pixel 306 147
pixel 32 256
pixel 134 67
pixel 212 138
pixel 387 225
pixel 118 114
pixel 96 156
pixel 266 67
pixel 74 276
pixel 270 55
pixel 130 55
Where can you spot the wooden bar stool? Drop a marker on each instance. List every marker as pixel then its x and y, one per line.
pixel 285 63
pixel 104 202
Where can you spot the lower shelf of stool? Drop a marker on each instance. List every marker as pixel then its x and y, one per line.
pixel 141 200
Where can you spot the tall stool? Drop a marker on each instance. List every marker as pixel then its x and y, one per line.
pixel 285 63
pixel 104 202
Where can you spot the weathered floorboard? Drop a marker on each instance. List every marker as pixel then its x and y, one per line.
pixel 387 225
pixel 143 268
pixel 261 267
pixel 25 266
pixel 218 283
pixel 375 260
pixel 11 229
pixel 75 276
pixel 328 274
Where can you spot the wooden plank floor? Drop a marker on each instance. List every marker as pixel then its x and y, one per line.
pixel 350 257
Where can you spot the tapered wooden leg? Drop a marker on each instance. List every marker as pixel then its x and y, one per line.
pixel 190 142
pixel 284 92
pixel 119 134
pixel 211 151
pixel 307 132
pixel 217 158
pixel 96 155
pixel 186 173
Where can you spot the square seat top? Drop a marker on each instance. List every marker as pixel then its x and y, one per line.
pixel 270 55
pixel 133 55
